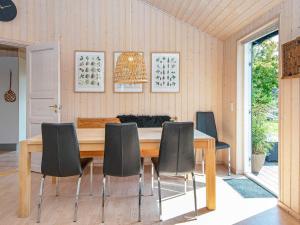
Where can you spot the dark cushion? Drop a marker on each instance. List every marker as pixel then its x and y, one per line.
pixel 221 145
pixel 144 121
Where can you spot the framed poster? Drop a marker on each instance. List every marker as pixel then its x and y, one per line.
pixel 126 88
pixel 89 71
pixel 165 72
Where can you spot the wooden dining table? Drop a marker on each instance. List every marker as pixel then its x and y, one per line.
pixel 91 143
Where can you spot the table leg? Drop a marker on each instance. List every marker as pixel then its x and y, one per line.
pixel 24 180
pixel 210 171
pixel 54 180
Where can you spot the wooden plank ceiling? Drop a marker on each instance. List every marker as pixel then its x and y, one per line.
pixel 220 18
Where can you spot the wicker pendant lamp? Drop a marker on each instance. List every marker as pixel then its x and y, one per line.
pixel 130 67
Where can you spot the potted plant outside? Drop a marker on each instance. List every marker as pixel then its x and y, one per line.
pixel 260 144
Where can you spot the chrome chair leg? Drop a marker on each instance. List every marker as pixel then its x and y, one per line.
pixel 185 183
pixel 140 196
pixel 159 197
pixel 40 198
pixel 229 163
pixel 91 178
pixel 143 176
pixel 76 199
pixel 57 186
pixel 108 186
pixel 195 195
pixel 152 178
pixel 103 196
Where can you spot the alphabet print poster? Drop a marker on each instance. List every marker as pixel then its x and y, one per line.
pixel 165 72
pixel 89 71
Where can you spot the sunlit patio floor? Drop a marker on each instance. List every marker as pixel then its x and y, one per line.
pixel 269 177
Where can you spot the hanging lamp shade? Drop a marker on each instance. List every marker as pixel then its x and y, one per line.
pixel 130 68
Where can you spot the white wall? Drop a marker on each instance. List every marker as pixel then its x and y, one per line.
pixel 22 94
pixel 9 118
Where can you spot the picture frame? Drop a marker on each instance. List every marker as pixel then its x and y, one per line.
pixel 165 72
pixel 125 88
pixel 89 71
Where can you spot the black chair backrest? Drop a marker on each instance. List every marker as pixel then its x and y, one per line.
pixel 122 150
pixel 206 124
pixel 61 156
pixel 176 154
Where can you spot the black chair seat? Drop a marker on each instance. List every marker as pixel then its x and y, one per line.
pixel 221 145
pixel 85 162
pixel 154 161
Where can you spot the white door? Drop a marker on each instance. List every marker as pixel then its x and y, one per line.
pixel 247 106
pixel 43 70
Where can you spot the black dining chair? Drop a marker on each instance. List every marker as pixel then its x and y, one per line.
pixel 206 124
pixel 146 122
pixel 176 155
pixel 61 157
pixel 121 155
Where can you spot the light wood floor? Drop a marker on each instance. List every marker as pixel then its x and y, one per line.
pixel 122 205
pixel 8 162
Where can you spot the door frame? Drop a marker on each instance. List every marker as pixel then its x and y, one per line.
pixel 24 44
pixel 248 116
pixel 244 86
pixel 248 56
pixel 20 45
pixel 243 104
pixel 14 43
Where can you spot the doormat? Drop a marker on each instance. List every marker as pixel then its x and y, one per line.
pixel 248 188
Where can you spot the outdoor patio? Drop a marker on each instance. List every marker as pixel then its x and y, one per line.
pixel 268 177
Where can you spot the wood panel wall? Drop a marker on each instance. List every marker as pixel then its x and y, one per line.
pixel 104 25
pixel 290 116
pixel 289 97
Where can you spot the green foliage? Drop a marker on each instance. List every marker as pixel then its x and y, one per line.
pixel 265 74
pixel 260 145
pixel 264 92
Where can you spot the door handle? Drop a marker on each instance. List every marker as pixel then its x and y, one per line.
pixel 55 107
